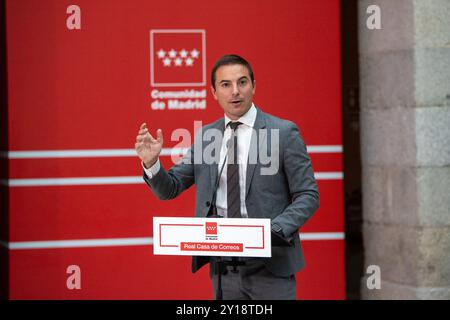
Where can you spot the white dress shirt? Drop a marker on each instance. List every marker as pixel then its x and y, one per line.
pixel 244 134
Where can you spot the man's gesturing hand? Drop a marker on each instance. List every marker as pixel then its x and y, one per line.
pixel 148 148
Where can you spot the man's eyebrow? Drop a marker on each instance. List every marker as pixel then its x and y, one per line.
pixel 243 77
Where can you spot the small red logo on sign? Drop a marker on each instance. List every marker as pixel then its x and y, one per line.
pixel 211 227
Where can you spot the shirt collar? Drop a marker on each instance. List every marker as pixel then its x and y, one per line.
pixel 248 118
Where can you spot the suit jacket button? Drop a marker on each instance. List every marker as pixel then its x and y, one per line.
pixel 208 203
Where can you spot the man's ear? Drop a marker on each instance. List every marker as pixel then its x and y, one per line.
pixel 254 86
pixel 213 91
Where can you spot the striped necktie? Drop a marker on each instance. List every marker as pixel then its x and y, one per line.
pixel 233 189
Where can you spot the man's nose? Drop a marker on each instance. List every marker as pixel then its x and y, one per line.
pixel 235 89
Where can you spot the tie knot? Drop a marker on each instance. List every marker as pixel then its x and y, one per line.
pixel 234 125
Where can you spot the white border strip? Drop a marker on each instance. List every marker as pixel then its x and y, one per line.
pixel 329 175
pixel 322 236
pixel 95 153
pixel 43 182
pixel 46 154
pixel 75 181
pixel 55 244
pixel 85 243
pixel 325 149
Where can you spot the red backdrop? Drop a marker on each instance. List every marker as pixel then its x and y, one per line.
pixel 90 89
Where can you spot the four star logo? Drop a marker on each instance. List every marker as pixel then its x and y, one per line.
pixel 182 58
pixel 177 58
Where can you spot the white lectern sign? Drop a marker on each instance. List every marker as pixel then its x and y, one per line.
pixel 212 237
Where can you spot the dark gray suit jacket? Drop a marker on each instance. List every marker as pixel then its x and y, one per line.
pixel 289 197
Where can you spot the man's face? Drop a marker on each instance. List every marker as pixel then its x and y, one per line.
pixel 234 90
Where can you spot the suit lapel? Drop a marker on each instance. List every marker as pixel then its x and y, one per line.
pixel 220 125
pixel 260 123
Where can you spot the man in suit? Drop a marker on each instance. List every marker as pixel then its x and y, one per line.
pixel 282 189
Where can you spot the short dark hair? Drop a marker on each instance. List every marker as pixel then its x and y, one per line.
pixel 230 59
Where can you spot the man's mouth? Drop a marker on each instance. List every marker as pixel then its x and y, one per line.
pixel 236 102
